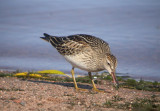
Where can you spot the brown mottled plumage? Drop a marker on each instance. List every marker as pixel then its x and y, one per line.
pixel 74 44
pixel 85 52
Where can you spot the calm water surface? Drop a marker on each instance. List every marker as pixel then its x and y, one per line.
pixel 132 28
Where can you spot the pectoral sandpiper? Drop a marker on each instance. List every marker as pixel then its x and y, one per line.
pixel 85 52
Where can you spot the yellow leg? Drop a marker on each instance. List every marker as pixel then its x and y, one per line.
pixel 74 80
pixel 94 86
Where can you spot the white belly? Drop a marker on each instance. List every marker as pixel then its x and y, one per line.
pixel 76 61
pixel 80 61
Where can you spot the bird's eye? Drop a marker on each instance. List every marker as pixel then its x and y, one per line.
pixel 109 64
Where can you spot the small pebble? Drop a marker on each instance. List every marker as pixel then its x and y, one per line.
pixel 79 103
pixel 22 103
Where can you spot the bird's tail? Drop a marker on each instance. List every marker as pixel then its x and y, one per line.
pixel 46 37
pixel 55 41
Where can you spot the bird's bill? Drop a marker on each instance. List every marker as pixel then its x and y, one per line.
pixel 115 82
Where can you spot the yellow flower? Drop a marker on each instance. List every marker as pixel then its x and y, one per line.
pixel 35 75
pixel 52 72
pixel 21 74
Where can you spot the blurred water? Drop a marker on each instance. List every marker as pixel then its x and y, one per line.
pixel 132 28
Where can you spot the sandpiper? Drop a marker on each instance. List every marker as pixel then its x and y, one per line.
pixel 85 52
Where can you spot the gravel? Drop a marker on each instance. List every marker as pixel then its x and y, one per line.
pixel 40 95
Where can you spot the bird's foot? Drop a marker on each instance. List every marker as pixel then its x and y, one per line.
pixel 97 90
pixel 80 89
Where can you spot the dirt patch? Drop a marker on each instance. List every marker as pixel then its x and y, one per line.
pixel 41 95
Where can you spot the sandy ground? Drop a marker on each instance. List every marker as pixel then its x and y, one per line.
pixel 37 95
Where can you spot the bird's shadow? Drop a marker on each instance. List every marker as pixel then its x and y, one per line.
pixel 83 86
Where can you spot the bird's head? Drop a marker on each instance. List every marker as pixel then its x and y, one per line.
pixel 110 65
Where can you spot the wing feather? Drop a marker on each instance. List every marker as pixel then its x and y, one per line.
pixel 74 44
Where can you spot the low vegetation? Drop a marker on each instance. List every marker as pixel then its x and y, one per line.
pixel 139 104
pixel 55 75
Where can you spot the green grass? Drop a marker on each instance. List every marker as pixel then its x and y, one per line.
pixel 6 75
pixel 139 104
pixel 108 104
pixel 141 85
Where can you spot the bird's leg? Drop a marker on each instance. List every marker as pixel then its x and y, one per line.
pixel 74 80
pixel 94 86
